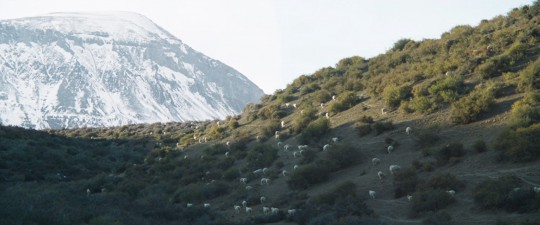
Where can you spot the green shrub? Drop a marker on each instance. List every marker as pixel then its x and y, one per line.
pixel 426 137
pixel 524 111
pixel 343 102
pixel 469 108
pixel 528 77
pixel 421 104
pixel 270 127
pixel 393 95
pixel 492 194
pixel 231 174
pixel 303 119
pixel 322 96
pixel 315 130
pixel 521 144
pixel 448 88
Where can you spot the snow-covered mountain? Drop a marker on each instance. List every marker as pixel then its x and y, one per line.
pixel 66 70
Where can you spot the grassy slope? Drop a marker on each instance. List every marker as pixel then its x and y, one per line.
pixel 150 172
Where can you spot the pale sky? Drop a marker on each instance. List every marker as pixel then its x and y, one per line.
pixel 274 42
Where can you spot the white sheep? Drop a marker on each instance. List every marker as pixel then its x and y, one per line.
pixel 265 181
pixel 296 154
pixel 279 144
pixel 227 154
pixel 451 192
pixel 390 149
pixel 408 130
pixel 266 210
pixel 274 210
pixel 384 111
pixel 409 198
pixel 249 187
pixel 286 147
pixel 302 147
pixel 294 105
pixel 326 147
pixel 284 173
pixel 322 105
pixel 295 167
pixel 258 171
pixel 335 139
pixel 393 169
pixel 276 136
pixel 206 205
pixel 372 194
pixel 244 203
pixel 287 104
pixel 258 138
pixel 381 175
pixel 375 161
pixel 237 208
pixel 536 189
pixel 282 124
pixel 263 199
pixel 327 115
pixel 248 210
pixel 228 143
pixel 88 192
pixel 291 212
pixel 189 205
pixel 264 170
pixel 243 180
pixel 333 97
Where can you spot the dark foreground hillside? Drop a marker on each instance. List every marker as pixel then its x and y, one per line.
pixel 471 154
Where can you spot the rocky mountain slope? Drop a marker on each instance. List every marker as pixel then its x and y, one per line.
pixel 67 70
pixel 470 98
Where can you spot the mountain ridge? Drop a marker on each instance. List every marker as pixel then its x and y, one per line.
pixel 84 64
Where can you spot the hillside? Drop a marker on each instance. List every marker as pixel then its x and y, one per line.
pixel 471 156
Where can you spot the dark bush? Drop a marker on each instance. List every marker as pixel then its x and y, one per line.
pixel 308 175
pixel 524 111
pixel 344 190
pixel 342 156
pixel 363 129
pixel 270 127
pixel 426 137
pixel 443 182
pixel 452 150
pixel 430 200
pixel 381 127
pixel 438 218
pixel 480 146
pixel 261 156
pixel 405 182
pixel 366 119
pixel 492 194
pixel 343 102
pixel 393 95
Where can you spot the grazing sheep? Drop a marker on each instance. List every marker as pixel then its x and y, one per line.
pixel 536 189
pixel 287 105
pixel 249 187
pixel 322 105
pixel 274 210
pixel 390 149
pixel 258 171
pixel 384 111
pixel 282 124
pixel 335 139
pixel 326 147
pixel 257 138
pixel 248 210
pixel 296 154
pixel 279 144
pixel 333 97
pixel 237 208
pixel 265 181
pixel 266 210
pixel 88 191
pixel 409 198
pixel 302 147
pixel 451 192
pixel 264 170
pixel 294 105
pixel 408 130
pixel 327 115
pixel 375 161
pixel 244 203
pixel 277 136
pixel 228 143
pixel 381 175
pixel 372 194
pixel 206 205
pixel 189 205
pixel 393 169
pixel 227 154
pixel 295 167
pixel 263 199
pixel 286 147
pixel 243 180
pixel 291 212
pixel 284 173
